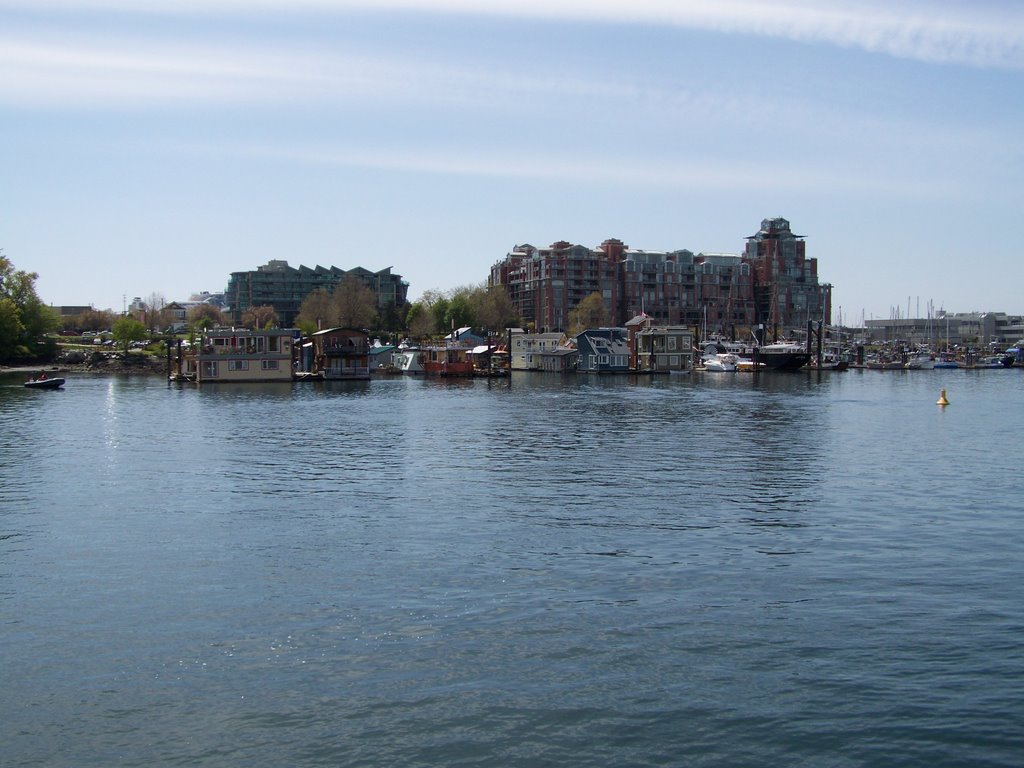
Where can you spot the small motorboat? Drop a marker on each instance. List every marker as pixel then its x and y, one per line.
pixel 45 382
pixel 722 362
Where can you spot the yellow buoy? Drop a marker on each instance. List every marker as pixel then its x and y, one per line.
pixel 942 398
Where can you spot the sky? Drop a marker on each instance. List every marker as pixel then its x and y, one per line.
pixel 152 148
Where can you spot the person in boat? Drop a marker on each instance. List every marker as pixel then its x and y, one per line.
pixel 41 376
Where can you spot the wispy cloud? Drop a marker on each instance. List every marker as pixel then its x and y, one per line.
pixel 967 33
pixel 97 72
pixel 101 72
pixel 687 173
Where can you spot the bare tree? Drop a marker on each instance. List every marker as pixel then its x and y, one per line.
pixel 494 310
pixel 355 303
pixel 155 316
pixel 94 320
pixel 205 316
pixel 259 317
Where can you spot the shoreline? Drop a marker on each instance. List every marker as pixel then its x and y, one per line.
pixel 143 367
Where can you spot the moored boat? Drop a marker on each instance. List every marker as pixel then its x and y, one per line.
pixel 830 361
pixel 408 360
pixel 993 361
pixel 920 362
pixel 778 356
pixel 782 356
pixel 744 365
pixel 884 365
pixel 722 362
pixel 447 361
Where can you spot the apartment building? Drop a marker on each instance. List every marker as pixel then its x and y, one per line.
pixel 787 293
pixel 772 283
pixel 283 287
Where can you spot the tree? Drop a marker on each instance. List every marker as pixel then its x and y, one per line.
pixel 419 320
pixel 205 316
pixel 355 303
pixel 155 316
pixel 392 317
pixel 126 330
pixel 494 309
pixel 316 312
pixel 24 319
pixel 439 309
pixel 93 320
pixel 589 313
pixel 262 316
pixel 11 329
pixel 460 308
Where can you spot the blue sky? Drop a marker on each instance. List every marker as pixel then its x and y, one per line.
pixel 155 147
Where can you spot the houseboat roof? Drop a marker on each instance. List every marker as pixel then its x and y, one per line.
pixel 337 329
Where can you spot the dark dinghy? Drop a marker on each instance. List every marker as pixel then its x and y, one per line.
pixel 45 383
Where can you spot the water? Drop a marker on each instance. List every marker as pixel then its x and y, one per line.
pixel 799 570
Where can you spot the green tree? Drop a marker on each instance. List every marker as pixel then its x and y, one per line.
pixel 126 330
pixel 439 309
pixel 419 320
pixel 11 329
pixel 316 312
pixel 589 313
pixel 392 317
pixel 24 319
pixel 461 305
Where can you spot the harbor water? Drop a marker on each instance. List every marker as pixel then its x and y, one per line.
pixel 808 569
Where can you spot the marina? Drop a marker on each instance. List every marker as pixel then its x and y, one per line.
pixel 541 569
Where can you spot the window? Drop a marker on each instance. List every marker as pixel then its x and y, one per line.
pixel 672 343
pixel 269 365
pixel 209 369
pixel 238 365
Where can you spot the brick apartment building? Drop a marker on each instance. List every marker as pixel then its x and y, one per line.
pixel 772 283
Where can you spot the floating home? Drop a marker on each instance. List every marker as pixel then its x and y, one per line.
pixel 236 355
pixel 341 354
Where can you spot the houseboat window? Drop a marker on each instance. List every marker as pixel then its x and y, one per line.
pixel 673 361
pixel 209 369
pixel 269 365
pixel 672 342
pixel 603 359
pixel 272 343
pixel 238 365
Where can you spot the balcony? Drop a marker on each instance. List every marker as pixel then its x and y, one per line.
pixel 344 349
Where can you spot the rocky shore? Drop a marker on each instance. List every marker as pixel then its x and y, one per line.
pixel 97 362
